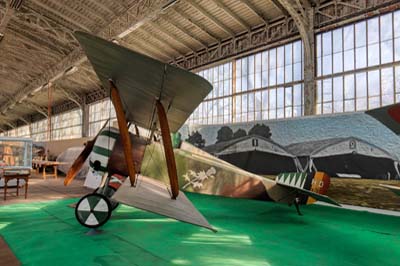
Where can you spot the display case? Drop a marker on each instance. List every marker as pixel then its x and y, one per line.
pixel 15 157
pixel 16 152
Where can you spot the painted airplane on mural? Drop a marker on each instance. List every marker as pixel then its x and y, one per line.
pixel 158 97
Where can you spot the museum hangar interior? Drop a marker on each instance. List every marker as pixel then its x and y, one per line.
pixel 199 132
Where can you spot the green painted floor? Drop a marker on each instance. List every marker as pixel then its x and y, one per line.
pixel 250 233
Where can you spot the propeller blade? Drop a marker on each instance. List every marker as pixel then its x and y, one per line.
pixel 78 163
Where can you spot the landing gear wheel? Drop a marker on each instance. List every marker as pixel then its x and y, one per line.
pixel 93 210
pixel 109 192
pixel 297 204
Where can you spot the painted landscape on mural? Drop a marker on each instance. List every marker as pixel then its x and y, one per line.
pixel 357 151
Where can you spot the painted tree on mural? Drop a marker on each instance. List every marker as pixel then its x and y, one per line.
pixel 196 139
pixel 224 134
pixel 261 130
pixel 239 133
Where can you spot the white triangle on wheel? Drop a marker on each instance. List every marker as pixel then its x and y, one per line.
pixel 101 206
pixel 84 205
pixel 91 220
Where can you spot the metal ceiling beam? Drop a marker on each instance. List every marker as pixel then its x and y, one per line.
pixel 7 15
pixel 69 9
pixel 104 7
pixel 139 13
pixel 89 75
pixel 80 81
pixel 172 35
pixel 254 9
pixel 15 73
pixel 29 52
pixel 24 120
pixel 13 126
pixel 13 59
pixel 281 7
pixel 136 46
pixel 206 14
pixel 45 35
pixel 61 15
pixel 9 11
pixel 45 23
pixel 70 95
pixel 276 33
pixel 27 60
pixel 307 3
pixel 40 109
pixel 92 12
pixel 233 15
pixel 17 36
pixel 29 34
pixel 163 41
pixel 185 32
pixel 196 24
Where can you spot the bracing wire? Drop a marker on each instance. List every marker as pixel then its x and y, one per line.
pixel 151 127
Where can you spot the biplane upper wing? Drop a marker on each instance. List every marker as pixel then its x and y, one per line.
pixel 388 115
pixel 141 80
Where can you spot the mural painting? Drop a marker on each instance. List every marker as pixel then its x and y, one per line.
pixel 357 151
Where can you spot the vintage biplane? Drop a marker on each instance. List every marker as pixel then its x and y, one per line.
pixel 159 97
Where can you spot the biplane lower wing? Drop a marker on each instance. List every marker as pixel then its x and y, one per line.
pixel 153 196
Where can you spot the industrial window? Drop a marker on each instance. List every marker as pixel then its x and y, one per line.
pixel 67 125
pixel 39 130
pixel 12 133
pixel 266 85
pixel 23 131
pixel 99 112
pixel 358 66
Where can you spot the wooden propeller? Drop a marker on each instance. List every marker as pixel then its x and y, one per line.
pixel 78 163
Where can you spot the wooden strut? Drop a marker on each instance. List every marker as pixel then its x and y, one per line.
pixel 169 151
pixel 123 130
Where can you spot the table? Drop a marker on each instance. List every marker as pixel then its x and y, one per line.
pixel 44 164
pixel 13 173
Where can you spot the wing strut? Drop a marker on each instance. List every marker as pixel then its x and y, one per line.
pixel 123 130
pixel 169 151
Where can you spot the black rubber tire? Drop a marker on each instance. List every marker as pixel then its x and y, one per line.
pixel 109 192
pixel 95 207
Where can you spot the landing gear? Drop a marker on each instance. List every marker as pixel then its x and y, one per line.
pixel 108 191
pixel 93 210
pixel 297 204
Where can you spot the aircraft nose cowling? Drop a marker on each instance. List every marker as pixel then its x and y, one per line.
pixel 319 184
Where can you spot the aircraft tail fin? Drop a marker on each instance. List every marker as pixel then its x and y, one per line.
pixel 313 195
pixel 313 186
